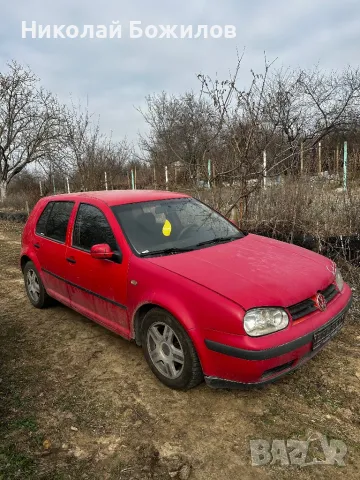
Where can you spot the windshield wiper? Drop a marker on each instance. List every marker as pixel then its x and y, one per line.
pixel 167 251
pixel 173 250
pixel 215 241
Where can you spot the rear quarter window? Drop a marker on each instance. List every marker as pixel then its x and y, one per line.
pixel 41 224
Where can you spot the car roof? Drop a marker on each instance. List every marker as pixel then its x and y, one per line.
pixel 120 197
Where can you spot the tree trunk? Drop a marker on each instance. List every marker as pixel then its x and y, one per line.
pixel 3 187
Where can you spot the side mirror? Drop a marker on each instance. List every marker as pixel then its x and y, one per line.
pixel 102 251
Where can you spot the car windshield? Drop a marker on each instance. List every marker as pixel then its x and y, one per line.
pixel 165 227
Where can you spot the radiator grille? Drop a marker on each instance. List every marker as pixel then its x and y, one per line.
pixel 307 306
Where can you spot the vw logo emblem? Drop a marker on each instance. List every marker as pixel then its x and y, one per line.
pixel 320 302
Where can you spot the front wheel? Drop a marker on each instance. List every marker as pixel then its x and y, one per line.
pixel 169 351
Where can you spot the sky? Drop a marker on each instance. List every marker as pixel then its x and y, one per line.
pixel 113 76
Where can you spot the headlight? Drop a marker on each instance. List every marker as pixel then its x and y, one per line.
pixel 261 321
pixel 339 280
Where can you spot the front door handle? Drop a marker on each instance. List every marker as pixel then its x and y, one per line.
pixel 36 245
pixel 71 260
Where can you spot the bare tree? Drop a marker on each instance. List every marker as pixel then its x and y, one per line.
pixel 331 100
pixel 180 130
pixel 308 105
pixel 30 123
pixel 87 153
pixel 232 122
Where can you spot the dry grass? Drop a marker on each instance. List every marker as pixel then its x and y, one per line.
pixel 59 370
pixel 306 205
pixel 316 208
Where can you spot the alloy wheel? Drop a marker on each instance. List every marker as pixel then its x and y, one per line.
pixel 33 285
pixel 165 350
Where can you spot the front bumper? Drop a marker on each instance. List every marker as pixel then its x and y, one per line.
pixel 259 367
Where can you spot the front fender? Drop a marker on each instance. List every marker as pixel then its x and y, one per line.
pixel 194 306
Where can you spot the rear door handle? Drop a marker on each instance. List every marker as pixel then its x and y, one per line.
pixel 71 260
pixel 36 245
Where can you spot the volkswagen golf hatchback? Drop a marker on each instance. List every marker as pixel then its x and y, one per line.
pixel 202 298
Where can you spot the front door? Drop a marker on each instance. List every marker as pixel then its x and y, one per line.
pixel 97 287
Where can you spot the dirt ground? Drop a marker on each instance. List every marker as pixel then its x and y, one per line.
pixel 78 402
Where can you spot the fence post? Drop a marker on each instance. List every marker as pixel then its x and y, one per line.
pixel 53 181
pixel 132 179
pixel 67 185
pixel 166 177
pixel 106 182
pixel 27 208
pixel 301 158
pixel 209 173
pixel 41 191
pixel 320 165
pixel 265 166
pixel 345 165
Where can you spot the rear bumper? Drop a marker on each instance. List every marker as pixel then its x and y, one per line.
pixel 243 367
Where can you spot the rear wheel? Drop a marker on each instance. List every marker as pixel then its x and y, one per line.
pixel 34 287
pixel 169 351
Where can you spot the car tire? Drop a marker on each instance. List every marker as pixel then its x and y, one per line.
pixel 35 288
pixel 169 351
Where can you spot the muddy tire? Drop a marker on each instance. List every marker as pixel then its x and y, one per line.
pixel 34 287
pixel 169 351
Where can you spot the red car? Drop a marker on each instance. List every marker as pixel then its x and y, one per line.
pixel 202 298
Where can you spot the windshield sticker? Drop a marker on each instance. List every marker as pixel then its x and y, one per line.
pixel 166 230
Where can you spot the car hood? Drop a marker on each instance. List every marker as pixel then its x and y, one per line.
pixel 254 271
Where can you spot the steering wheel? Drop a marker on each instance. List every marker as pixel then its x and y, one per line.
pixel 186 230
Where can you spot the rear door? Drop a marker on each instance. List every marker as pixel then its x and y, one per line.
pixel 50 246
pixel 97 287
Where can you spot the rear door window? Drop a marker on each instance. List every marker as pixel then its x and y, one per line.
pixel 92 228
pixel 54 220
